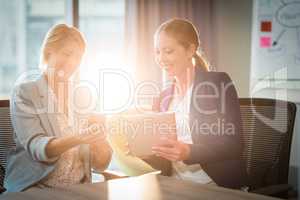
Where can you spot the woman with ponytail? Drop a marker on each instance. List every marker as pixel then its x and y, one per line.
pixel 208 146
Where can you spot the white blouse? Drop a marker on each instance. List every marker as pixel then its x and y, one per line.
pixel 180 169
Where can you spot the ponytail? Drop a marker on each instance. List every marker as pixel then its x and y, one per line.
pixel 186 34
pixel 200 61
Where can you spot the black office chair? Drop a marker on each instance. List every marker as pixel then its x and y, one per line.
pixel 267 134
pixel 7 142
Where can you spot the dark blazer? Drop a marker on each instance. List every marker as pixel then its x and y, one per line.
pixel 215 124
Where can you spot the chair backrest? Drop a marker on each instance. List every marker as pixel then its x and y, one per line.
pixel 267 135
pixel 6 136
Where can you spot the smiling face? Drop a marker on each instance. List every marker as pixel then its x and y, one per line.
pixel 171 55
pixel 62 51
pixel 65 60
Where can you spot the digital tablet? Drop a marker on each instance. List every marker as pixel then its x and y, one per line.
pixel 146 130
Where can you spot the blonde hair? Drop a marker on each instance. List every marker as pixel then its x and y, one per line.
pixel 56 37
pixel 186 34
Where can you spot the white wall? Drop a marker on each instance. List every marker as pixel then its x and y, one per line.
pixel 232 40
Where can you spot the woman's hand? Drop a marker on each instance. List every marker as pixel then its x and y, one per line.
pixel 101 151
pixel 172 150
pixel 95 132
pixel 101 154
pixel 57 146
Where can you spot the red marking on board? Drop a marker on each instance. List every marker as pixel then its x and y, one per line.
pixel 266 26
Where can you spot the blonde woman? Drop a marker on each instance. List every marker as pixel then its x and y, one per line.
pixel 49 153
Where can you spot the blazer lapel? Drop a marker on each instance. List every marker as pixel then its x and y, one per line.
pixel 44 101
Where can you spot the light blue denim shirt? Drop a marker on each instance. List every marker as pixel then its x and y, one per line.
pixel 35 124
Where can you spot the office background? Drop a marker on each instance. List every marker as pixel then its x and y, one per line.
pixel 225 30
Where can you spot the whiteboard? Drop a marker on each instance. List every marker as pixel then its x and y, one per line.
pixel 275 47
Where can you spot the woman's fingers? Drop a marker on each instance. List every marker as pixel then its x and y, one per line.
pixel 170 142
pixel 166 150
pixel 164 141
pixel 96 129
pixel 171 154
pixel 167 156
pixel 172 150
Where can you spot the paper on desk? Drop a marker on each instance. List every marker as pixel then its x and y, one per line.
pixel 130 165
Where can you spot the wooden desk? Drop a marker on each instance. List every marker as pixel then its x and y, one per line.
pixel 142 187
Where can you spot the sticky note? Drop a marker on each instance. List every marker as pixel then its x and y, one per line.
pixel 265 42
pixel 266 26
